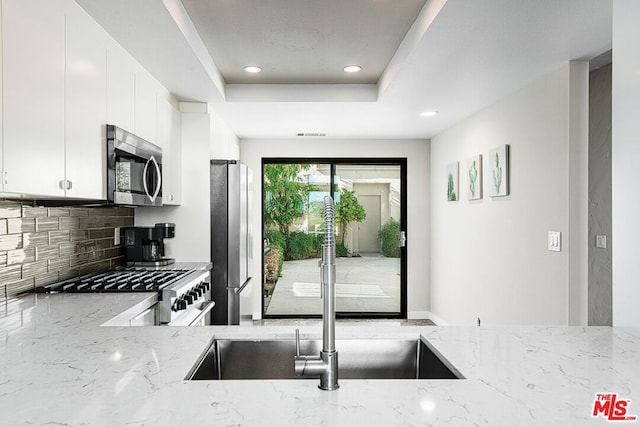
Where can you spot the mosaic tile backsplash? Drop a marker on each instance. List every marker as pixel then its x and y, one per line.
pixel 40 245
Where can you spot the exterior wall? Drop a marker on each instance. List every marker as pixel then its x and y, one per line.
pixel 363 189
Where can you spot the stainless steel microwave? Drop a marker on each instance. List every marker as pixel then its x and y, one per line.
pixel 134 169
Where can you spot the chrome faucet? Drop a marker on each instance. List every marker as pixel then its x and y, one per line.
pixel 326 364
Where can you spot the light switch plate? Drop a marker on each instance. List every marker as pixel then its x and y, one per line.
pixel 554 241
pixel 601 241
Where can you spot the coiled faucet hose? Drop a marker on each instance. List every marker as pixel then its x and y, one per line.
pixel 329 222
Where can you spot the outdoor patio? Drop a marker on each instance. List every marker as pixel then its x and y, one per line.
pixel 369 283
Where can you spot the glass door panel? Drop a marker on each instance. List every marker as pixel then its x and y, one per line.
pixel 368 206
pixel 369 263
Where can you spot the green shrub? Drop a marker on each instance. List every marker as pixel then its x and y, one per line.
pixel 276 239
pixel 318 240
pixel 341 250
pixel 389 236
pixel 300 246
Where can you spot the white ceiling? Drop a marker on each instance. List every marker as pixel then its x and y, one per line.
pixel 302 41
pixel 458 57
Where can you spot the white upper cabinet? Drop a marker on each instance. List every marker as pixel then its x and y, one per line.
pixel 85 106
pixel 33 38
pixel 145 102
pixel 176 157
pixel 169 138
pixel 1 113
pixel 63 80
pixel 120 87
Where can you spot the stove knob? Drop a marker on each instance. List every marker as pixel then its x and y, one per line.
pixel 204 287
pixel 188 298
pixel 198 291
pixel 180 304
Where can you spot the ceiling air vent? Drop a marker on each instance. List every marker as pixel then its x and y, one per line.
pixel 311 134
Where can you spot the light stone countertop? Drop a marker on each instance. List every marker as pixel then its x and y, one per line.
pixel 58 366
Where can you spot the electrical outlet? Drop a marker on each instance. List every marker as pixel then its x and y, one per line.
pixel 601 241
pixel 554 241
pixel 116 236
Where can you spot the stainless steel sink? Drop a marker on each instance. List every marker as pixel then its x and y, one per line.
pixel 358 359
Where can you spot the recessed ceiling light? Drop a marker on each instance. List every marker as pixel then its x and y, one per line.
pixel 352 69
pixel 428 113
pixel 252 69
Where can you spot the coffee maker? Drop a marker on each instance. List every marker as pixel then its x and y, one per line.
pixel 145 245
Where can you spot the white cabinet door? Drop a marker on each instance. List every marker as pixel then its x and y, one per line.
pixel 176 156
pixel 85 106
pixel 169 138
pixel 145 112
pixel 1 113
pixel 33 36
pixel 120 87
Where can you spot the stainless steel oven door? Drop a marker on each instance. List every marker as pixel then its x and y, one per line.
pixel 143 314
pixel 196 315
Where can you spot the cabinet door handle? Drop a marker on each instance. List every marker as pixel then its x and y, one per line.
pixel 65 184
pixel 4 177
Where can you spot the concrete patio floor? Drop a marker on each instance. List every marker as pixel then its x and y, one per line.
pixel 370 283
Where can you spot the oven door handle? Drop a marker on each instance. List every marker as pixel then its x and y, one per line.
pixel 158 186
pixel 206 308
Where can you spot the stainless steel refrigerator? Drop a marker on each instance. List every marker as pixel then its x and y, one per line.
pixel 231 237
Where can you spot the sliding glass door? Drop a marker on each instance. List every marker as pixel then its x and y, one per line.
pixel 369 196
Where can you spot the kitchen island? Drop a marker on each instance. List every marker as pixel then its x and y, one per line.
pixel 59 366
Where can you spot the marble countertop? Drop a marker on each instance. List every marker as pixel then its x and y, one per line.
pixel 58 366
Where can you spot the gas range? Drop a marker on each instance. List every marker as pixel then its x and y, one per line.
pixel 179 290
pixel 121 280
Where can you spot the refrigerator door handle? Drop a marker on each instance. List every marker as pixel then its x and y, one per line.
pixel 241 288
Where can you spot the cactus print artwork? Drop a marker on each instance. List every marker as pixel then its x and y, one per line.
pixel 474 175
pixel 452 181
pixel 499 167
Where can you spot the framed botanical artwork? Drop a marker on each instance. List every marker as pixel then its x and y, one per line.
pixel 474 177
pixel 498 170
pixel 452 181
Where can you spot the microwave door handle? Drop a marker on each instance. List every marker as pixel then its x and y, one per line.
pixel 158 181
pixel 144 179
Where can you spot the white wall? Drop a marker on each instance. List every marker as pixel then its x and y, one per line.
pixel 625 155
pixel 204 136
pixel 489 256
pixel 417 153
pixel 224 143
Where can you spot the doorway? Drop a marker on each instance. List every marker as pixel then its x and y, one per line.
pixel 370 200
pixel 369 229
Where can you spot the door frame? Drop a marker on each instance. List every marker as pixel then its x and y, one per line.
pixel 333 161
